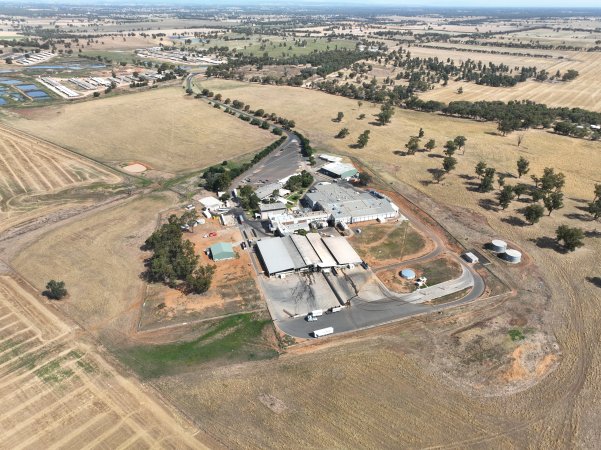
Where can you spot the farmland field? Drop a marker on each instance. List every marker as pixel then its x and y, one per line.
pixel 92 254
pixel 161 128
pixel 57 391
pixel 33 174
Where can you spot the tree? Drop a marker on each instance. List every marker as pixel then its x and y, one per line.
pixel 364 179
pixel 571 237
pixel 523 166
pixel 344 132
pixel 460 142
pixel 551 181
pixel 339 116
pixel 553 201
pixel 438 175
pixel 519 190
pixel 480 169
pixel 594 208
pixel 501 179
pixel 199 281
pixel 430 145
pixel 421 133
pixel 450 148
pixel 386 113
pixel 55 290
pixel 533 213
pixel 449 163
pixel 363 139
pixel 506 196
pixel 361 117
pixel 597 191
pixel 487 181
pixel 520 139
pixel 412 145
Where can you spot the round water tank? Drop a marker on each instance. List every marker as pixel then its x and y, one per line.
pixel 498 246
pixel 512 256
pixel 408 274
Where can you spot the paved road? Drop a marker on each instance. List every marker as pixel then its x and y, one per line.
pixel 365 314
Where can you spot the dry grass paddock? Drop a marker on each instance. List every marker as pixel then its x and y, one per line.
pixel 161 128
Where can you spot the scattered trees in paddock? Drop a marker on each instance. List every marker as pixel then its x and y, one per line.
pixel 533 213
pixel 344 132
pixel 363 139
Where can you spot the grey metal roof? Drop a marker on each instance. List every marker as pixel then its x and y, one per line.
pixel 327 260
pixel 341 201
pixel 343 252
pixel 293 252
pixel 275 255
pixel 339 168
pixel 264 207
pixel 305 249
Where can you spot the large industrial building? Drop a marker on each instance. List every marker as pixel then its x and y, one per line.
pixel 347 205
pixel 296 253
pixel 285 223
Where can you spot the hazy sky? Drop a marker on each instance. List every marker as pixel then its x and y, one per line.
pixel 389 3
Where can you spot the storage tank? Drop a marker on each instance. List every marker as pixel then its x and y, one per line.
pixel 512 256
pixel 498 246
pixel 408 274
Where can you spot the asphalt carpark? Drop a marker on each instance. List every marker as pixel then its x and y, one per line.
pixel 298 294
pixel 277 165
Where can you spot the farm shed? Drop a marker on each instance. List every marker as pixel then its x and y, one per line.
pixel 339 170
pixel 342 251
pixel 222 251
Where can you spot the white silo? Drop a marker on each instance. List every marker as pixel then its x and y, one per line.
pixel 498 246
pixel 512 256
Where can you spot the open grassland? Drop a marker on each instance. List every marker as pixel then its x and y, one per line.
pixel 34 174
pixel 57 392
pixel 161 128
pixel 99 259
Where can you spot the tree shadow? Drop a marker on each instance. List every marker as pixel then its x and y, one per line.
pixel 548 243
pixel 435 155
pixel 515 221
pixel 472 186
pixel 493 133
pixel 592 234
pixel 595 281
pixel 488 204
pixel 400 153
pixel 426 182
pixel 579 200
pixel 578 216
pixel 465 176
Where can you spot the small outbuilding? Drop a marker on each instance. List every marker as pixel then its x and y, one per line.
pixel 222 251
pixel 470 257
pixel 339 170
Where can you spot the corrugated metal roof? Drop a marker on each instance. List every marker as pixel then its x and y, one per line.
pixel 342 251
pixel 275 255
pixel 305 249
pixel 327 260
pixel 293 252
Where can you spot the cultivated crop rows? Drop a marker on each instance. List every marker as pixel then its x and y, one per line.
pixel 56 393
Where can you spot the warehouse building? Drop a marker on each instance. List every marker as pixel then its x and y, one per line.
pixel 339 170
pixel 348 205
pixel 296 253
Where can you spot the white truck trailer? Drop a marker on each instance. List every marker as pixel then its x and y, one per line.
pixel 323 332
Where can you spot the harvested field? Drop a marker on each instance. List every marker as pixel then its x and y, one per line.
pixel 34 173
pixel 99 259
pixel 57 392
pixel 582 92
pixel 162 129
